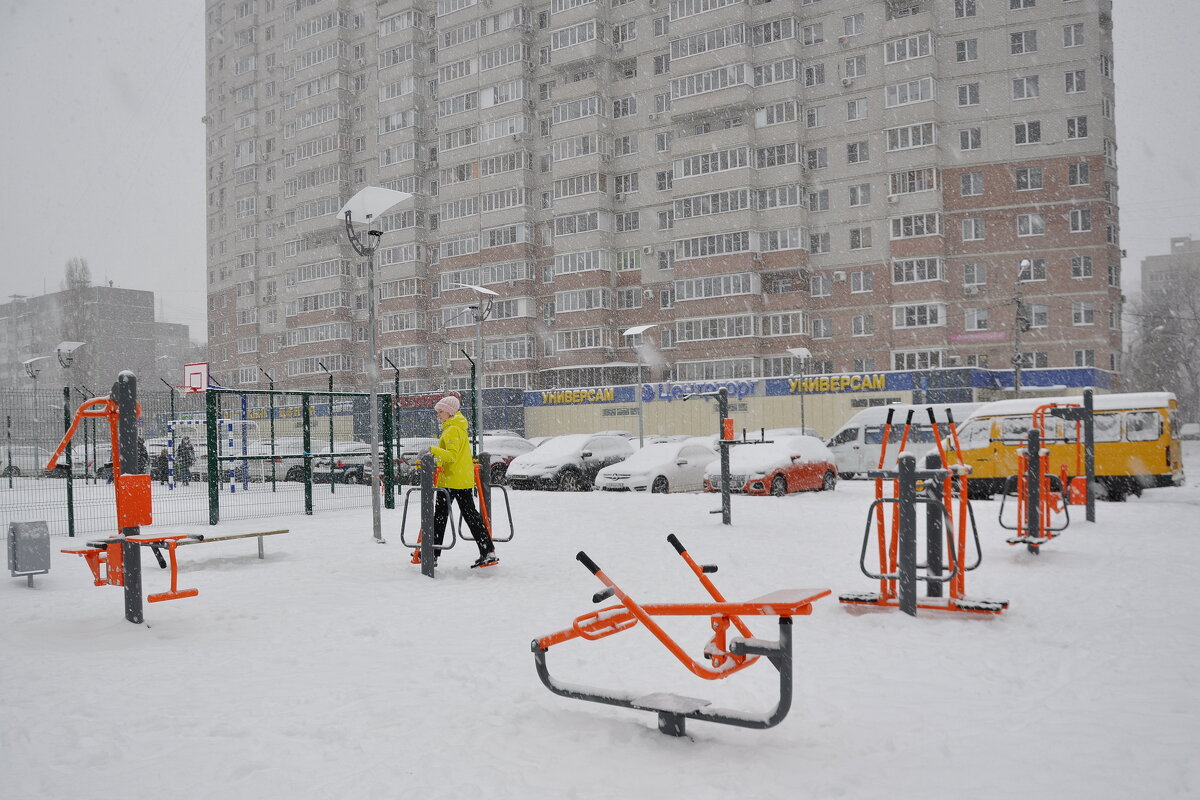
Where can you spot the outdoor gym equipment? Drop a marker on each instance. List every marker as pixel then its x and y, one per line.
pixel 899 569
pixel 121 557
pixel 726 655
pixel 424 549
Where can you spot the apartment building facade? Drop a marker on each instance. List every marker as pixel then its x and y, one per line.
pixel 877 181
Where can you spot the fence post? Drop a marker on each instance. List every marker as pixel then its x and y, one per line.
pixel 124 392
pixel 210 442
pixel 306 417
pixel 389 471
pixel 70 469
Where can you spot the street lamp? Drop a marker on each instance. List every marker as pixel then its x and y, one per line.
pixel 803 354
pixel 365 208
pixel 1020 324
pixel 638 330
pixel 482 311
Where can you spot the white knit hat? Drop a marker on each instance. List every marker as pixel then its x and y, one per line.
pixel 449 404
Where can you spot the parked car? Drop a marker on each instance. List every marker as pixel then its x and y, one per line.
pixel 659 467
pixel 502 449
pixel 351 465
pixel 792 464
pixel 567 463
pixel 538 441
pixel 23 459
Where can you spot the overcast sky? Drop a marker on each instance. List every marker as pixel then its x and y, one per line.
pixel 101 100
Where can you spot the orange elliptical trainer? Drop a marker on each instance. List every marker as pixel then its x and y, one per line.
pixel 117 561
pixel 725 655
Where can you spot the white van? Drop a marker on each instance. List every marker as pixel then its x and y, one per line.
pixel 857 444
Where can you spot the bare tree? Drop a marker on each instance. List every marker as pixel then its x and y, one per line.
pixel 77 274
pixel 1165 354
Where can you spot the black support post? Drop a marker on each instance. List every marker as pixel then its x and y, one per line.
pixel 211 409
pixel 1033 484
pixel 933 528
pixel 1089 451
pixel 907 550
pixel 306 421
pixel 70 467
pixel 124 392
pixel 428 554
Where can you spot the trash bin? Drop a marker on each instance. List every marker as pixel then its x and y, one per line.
pixel 28 549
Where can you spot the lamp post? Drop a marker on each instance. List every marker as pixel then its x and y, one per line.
pixel 1020 324
pixel 66 357
pixel 365 208
pixel 32 368
pixel 321 364
pixel 482 310
pixel 802 354
pixel 638 330
pixel 271 419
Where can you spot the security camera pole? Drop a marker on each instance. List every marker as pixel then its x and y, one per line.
pixel 365 208
pixel 638 330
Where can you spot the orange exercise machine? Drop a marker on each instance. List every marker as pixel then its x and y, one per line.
pixel 946 497
pixel 117 561
pixel 725 655
pixel 424 549
pixel 1043 508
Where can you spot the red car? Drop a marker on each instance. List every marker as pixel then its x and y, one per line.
pixel 789 464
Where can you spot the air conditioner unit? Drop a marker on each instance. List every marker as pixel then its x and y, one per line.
pixel 648 293
pixel 843 39
pixel 619 197
pixel 953 361
pixel 970 290
pixel 647 250
pixel 847 81
pixel 652 117
pixel 619 47
pixel 893 199
pixel 839 276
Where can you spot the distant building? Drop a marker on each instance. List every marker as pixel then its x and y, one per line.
pixel 861 178
pixel 116 325
pixel 1161 274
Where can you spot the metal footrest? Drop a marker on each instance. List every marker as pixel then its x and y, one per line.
pixel 870 598
pixel 668 703
pixel 1034 540
pixel 980 604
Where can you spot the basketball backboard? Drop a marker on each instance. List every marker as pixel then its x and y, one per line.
pixel 195 377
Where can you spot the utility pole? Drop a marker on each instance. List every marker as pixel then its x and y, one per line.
pixel 1020 324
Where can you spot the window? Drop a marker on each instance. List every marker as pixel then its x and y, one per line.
pixel 862 280
pixel 818 243
pixel 856 109
pixel 814 75
pixel 903 94
pixel 862 325
pixel 1036 360
pixel 816 158
pixel 819 200
pixel 822 328
pixel 968 94
pixel 1083 313
pixel 860 238
pixel 1073 35
pixel 1016 5
pixel 1027 132
pixel 916 270
pixel 910 47
pixel 1031 225
pixel 972 184
pixel 915 225
pixel 970 139
pixel 966 50
pixel 812 34
pixel 1114 280
pixel 628 221
pixel 625 183
pixel 1081 266
pixel 1077 127
pixel 857 153
pixel 917 315
pixel 974 274
pixel 1023 42
pixel 1077 174
pixel 1076 81
pixel 855 67
pixel 662 64
pixel 1034 271
pixel 666 220
pixel 976 319
pixel 913 180
pixel 1085 358
pixel 814 116
pixel 964 8
pixel 910 136
pixel 1081 220
pixel 972 229
pixel 663 181
pixel 820 285
pixel 860 194
pixel 1025 88
pixel 662 142
pixel 1028 178
pixel 854 24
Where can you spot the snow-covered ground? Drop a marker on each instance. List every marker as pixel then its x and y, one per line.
pixel 334 669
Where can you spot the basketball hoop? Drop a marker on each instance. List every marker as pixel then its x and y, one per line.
pixel 195 378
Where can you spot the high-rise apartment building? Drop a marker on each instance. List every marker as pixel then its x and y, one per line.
pixel 878 181
pixel 1162 274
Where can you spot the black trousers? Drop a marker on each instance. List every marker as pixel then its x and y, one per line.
pixel 465 498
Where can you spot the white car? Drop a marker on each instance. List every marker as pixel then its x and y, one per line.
pixel 23 459
pixel 502 449
pixel 659 467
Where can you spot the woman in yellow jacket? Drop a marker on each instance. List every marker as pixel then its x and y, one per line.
pixel 453 455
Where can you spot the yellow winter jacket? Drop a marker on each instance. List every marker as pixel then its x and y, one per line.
pixel 453 455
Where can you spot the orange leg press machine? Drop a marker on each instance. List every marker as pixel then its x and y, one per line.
pixel 118 561
pixel 725 655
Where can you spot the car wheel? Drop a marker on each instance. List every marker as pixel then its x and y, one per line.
pixel 571 481
pixel 12 472
pixel 829 483
pixel 847 476
pixel 660 485
pixel 498 473
pixel 779 486
pixel 294 474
